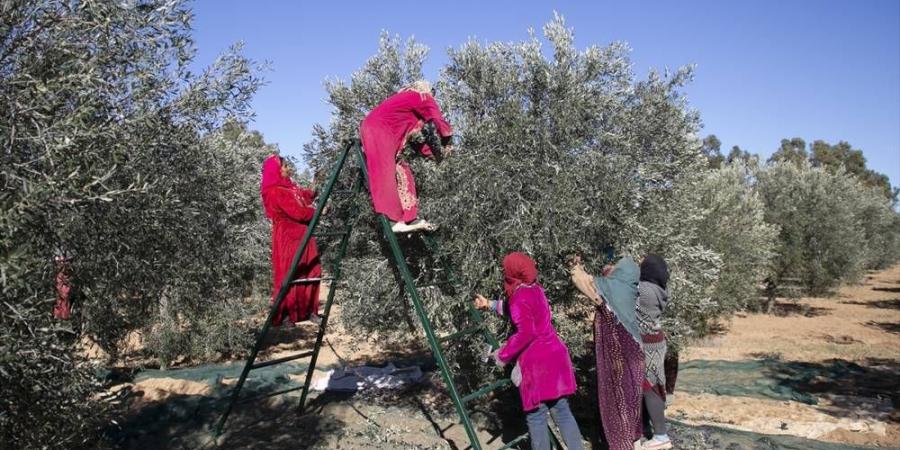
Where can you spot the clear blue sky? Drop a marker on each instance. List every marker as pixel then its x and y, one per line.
pixel 766 70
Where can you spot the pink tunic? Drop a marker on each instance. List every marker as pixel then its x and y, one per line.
pixel 547 372
pixel 288 206
pixel 383 133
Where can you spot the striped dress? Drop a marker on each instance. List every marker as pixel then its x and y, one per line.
pixel 652 301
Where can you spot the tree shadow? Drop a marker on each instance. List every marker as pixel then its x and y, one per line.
pixel 883 304
pixel 851 390
pixel 712 437
pixel 886 289
pixel 890 327
pixel 185 421
pixel 786 309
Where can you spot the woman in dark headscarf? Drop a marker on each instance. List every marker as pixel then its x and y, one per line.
pixel 652 300
pixel 620 368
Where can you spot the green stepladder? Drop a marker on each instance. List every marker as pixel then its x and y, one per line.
pixel 434 342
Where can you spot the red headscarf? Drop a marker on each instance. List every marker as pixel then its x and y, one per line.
pixel 271 175
pixel 518 268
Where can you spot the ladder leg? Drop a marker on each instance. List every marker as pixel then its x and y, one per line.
pixel 285 287
pixel 411 290
pixel 336 274
pixel 474 314
pixel 413 293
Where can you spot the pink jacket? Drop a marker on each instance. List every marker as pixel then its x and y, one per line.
pixel 547 372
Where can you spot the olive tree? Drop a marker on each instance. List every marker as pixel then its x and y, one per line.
pixel 109 158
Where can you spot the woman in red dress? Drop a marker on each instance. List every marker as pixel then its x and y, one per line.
pixel 384 133
pixel 289 207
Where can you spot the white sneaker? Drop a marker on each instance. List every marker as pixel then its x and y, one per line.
pixel 658 443
pixel 421 224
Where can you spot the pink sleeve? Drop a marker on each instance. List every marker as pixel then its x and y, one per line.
pixel 525 332
pixel 287 204
pixel 428 109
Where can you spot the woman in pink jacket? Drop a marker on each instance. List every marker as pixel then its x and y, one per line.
pixel 543 371
pixel 384 133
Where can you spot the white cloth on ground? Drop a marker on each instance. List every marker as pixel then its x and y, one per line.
pixel 352 379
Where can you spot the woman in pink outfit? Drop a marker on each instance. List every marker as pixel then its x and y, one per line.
pixel 384 133
pixel 289 207
pixel 543 371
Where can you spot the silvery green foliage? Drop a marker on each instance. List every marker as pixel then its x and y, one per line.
pixel 820 213
pixel 214 328
pixel 736 229
pixel 672 227
pixel 881 227
pixel 103 160
pixel 555 156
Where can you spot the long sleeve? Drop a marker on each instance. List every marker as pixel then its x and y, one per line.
pixel 428 109
pixel 525 331
pixel 286 203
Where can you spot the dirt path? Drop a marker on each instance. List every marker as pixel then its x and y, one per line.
pixel 843 351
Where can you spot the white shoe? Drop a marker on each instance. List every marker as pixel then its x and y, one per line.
pixel 416 225
pixel 401 227
pixel 420 224
pixel 658 443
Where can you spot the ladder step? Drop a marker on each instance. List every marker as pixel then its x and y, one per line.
pixel 485 390
pixel 269 394
pixel 311 280
pixel 459 334
pixel 272 362
pixel 514 441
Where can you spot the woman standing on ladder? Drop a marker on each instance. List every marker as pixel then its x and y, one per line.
pixel 384 133
pixel 289 207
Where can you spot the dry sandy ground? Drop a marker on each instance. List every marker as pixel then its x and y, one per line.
pixel 860 325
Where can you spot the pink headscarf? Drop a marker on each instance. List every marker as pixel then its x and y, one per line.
pixel 271 175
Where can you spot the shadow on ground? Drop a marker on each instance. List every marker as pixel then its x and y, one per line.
pixel 886 289
pixel 883 304
pixel 786 309
pixel 185 421
pixel 843 383
pixel 686 437
pixel 889 327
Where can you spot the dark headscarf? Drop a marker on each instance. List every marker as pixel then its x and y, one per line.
pixel 655 270
pixel 518 268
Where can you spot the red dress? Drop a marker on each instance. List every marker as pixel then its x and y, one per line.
pixel 63 308
pixel 384 132
pixel 289 208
